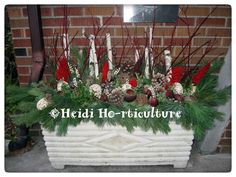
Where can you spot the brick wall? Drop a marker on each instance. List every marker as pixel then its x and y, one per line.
pixel 225 142
pixel 80 19
pixel 218 24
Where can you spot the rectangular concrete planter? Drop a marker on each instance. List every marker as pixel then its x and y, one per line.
pixel 88 145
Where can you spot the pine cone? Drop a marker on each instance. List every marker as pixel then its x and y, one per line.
pixel 107 88
pixel 127 67
pixel 123 77
pixel 159 82
pixel 116 97
pixel 141 99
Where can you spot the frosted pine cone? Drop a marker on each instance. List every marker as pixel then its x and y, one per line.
pixel 159 82
pixel 127 67
pixel 107 88
pixel 142 99
pixel 116 97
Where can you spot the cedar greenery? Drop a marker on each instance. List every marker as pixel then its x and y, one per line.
pixel 198 114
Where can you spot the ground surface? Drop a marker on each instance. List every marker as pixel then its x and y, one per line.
pixel 36 160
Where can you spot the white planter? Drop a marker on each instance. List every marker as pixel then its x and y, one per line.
pixel 88 144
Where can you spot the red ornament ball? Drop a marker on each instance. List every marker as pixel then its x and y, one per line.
pixel 153 101
pixel 169 94
pixel 133 82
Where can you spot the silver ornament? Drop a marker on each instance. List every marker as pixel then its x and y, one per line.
pixel 177 88
pixel 96 89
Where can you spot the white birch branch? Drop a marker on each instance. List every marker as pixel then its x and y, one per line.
pixel 109 51
pixel 93 53
pixel 168 60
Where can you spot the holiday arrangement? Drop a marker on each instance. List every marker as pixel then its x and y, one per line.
pixel 94 78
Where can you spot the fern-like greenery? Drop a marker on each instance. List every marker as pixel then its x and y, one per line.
pixel 198 114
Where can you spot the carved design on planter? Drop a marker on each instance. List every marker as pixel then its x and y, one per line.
pixel 88 144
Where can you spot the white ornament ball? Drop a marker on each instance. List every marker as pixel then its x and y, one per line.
pixel 42 103
pixel 96 89
pixel 60 84
pixel 177 88
pixel 126 86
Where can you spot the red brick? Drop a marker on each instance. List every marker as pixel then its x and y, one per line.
pixel 52 22
pixel 228 134
pixel 116 21
pixel 14 12
pixel 118 41
pixel 80 41
pixel 184 31
pixel 163 31
pixel 207 58
pixel 59 11
pixel 176 41
pixel 226 41
pixel 119 10
pixel 199 41
pixel 228 23
pixel 182 22
pixel 101 33
pixel 27 32
pixel 225 141
pixel 219 32
pixel 24 79
pixel 212 21
pixel 222 11
pixel 85 21
pixel 177 50
pixel 102 10
pixel 156 41
pixel 23 61
pixel 229 126
pixel 25 12
pixel 46 11
pixel 139 31
pixel 17 33
pixel 73 31
pixel 23 70
pixel 17 23
pixel 197 11
pixel 22 43
pixel 127 51
pixel 217 51
pixel 48 32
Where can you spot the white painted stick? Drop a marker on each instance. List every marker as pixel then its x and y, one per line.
pixel 136 55
pixel 109 50
pixel 150 36
pixel 91 61
pixel 95 61
pixel 147 74
pixel 168 60
pixel 65 39
pixel 151 60
pixel 150 47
